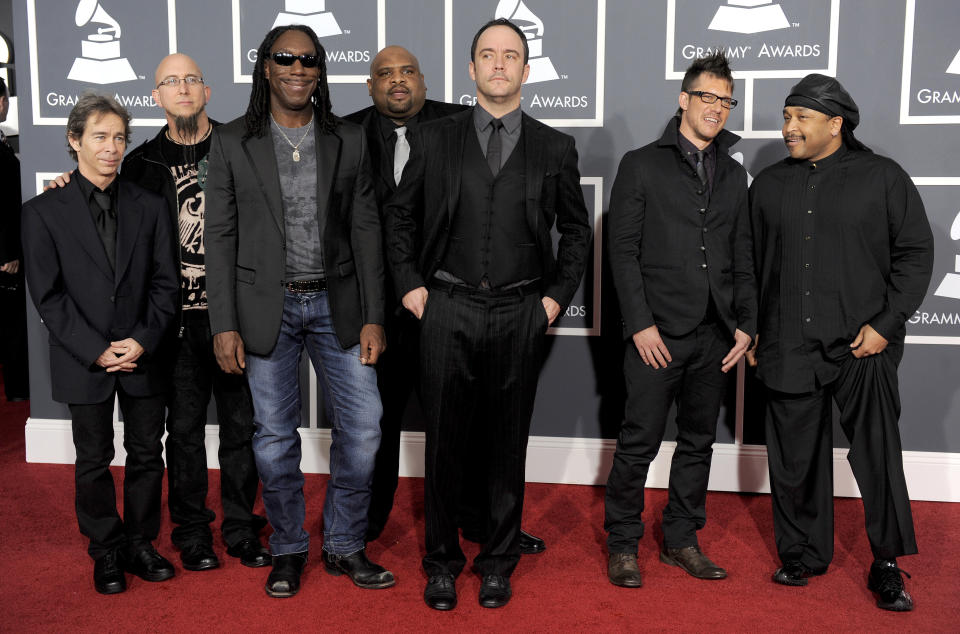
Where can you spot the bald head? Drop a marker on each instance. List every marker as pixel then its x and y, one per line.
pixel 183 103
pixel 176 65
pixel 396 84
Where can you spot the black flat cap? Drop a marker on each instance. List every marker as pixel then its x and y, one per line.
pixel 825 94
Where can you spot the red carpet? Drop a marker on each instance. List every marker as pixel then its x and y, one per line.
pixel 47 581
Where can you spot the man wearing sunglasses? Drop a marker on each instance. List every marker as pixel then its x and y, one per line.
pixel 681 261
pixel 294 262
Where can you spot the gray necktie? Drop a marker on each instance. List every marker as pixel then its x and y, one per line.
pixel 701 170
pixel 401 153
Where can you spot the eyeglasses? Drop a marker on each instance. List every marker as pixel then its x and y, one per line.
pixel 287 59
pixel 708 97
pixel 173 82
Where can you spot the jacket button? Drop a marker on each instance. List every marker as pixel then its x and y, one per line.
pixel 703 266
pixel 699 191
pixel 112 298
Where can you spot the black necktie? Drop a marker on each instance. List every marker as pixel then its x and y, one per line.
pixel 701 170
pixel 107 225
pixel 494 146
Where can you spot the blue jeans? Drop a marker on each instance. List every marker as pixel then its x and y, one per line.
pixel 353 405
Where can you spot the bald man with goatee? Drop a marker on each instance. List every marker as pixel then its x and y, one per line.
pixel 174 164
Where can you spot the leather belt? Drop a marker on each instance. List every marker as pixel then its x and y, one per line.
pixel 461 289
pixel 306 286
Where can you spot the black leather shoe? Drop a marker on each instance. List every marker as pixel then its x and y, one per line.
pixel 692 560
pixel 108 577
pixel 284 579
pixel 495 591
pixel 441 592
pixel 885 581
pixel 622 570
pixel 149 565
pixel 199 557
pixel 531 544
pixel 793 573
pixel 250 552
pixel 363 572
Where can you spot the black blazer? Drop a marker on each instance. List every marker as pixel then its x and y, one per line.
pixel 84 304
pixel 380 158
pixel 245 244
pixel 658 223
pixel 418 215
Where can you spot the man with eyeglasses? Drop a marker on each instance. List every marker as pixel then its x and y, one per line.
pixel 680 252
pixel 294 262
pixel 174 164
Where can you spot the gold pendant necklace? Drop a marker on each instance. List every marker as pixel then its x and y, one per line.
pixel 296 148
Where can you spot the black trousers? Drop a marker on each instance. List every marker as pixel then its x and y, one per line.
pixel 13 336
pixel 694 380
pixel 481 354
pixel 96 497
pixel 397 378
pixel 800 454
pixel 195 376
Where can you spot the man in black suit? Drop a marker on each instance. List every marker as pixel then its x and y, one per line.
pixel 13 309
pixel 471 221
pixel 400 106
pixel 294 261
pixel 680 253
pixel 101 275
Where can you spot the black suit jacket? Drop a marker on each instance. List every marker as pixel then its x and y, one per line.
pixel 9 205
pixel 245 243
pixel 381 160
pixel 418 215
pixel 658 223
pixel 84 304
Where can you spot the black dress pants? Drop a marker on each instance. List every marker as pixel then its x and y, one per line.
pixel 694 380
pixel 800 454
pixel 96 497
pixel 13 336
pixel 195 375
pixel 481 354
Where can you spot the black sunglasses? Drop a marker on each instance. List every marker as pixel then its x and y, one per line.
pixel 287 59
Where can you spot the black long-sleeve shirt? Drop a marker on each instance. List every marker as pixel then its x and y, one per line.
pixel 838 243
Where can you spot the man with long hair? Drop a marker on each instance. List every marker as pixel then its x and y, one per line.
pixel 294 262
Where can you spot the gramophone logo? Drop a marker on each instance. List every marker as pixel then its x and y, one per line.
pixel 100 61
pixel 749 16
pixel 950 286
pixel 541 68
pixel 312 13
pixel 954 67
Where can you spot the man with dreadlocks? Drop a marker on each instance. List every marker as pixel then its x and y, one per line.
pixel 843 254
pixel 294 261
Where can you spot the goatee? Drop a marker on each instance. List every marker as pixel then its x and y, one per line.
pixel 187 126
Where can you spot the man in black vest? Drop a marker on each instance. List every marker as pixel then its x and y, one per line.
pixel 680 253
pixel 471 222
pixel 99 268
pixel 399 108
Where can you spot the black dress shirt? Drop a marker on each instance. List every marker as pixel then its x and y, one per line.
pixel 838 243
pixel 709 156
pixel 509 134
pixel 102 204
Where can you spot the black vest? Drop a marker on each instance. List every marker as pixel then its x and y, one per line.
pixel 489 235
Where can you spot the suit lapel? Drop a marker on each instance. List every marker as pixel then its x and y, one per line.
pixel 129 218
pixel 381 162
pixel 328 162
pixel 76 214
pixel 456 140
pixel 533 167
pixel 263 164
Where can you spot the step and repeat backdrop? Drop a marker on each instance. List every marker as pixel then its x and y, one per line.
pixel 605 71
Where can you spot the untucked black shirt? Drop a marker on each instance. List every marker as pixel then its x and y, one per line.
pixel 838 243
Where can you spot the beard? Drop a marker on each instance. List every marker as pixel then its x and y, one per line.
pixel 188 126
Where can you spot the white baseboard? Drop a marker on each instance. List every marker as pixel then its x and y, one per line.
pixel 931 476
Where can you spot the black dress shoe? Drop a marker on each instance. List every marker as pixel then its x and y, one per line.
pixel 885 581
pixel 441 592
pixel 284 579
pixel 531 544
pixel 692 560
pixel 622 570
pixel 250 552
pixel 148 564
pixel 199 557
pixel 793 573
pixel 363 572
pixel 108 577
pixel 495 591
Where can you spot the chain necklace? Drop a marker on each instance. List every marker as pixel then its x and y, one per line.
pixel 296 148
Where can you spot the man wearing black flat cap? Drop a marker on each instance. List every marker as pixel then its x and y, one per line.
pixel 843 256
